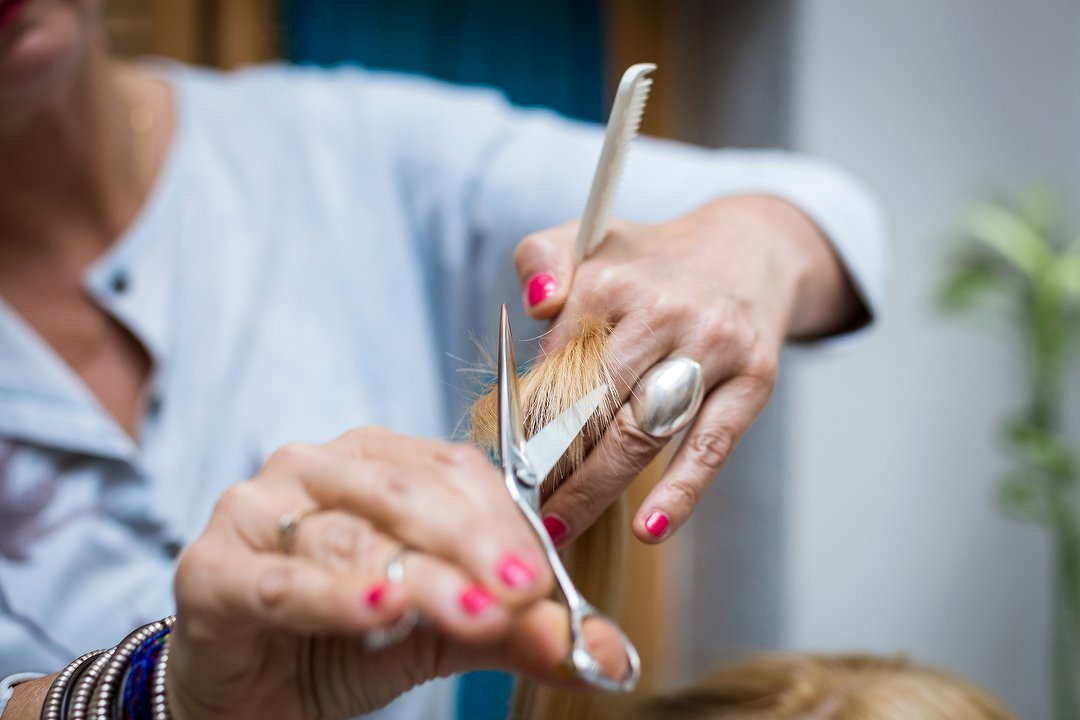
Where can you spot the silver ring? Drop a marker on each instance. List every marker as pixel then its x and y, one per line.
pixel 395 566
pixel 384 637
pixel 288 525
pixel 668 397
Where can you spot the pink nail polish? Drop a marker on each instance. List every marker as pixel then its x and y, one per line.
pixel 476 599
pixel 515 573
pixel 656 523
pixel 376 594
pixel 555 527
pixel 541 287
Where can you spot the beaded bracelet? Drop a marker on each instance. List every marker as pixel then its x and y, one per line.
pixel 123 683
pixel 135 690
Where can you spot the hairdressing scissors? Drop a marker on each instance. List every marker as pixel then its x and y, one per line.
pixel 525 465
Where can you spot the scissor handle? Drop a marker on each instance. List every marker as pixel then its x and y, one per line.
pixel 580 663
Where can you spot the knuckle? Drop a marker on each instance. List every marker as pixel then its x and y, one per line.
pixel 342 542
pixel 662 310
pixel 762 368
pixel 608 283
pixel 291 456
pixel 721 327
pixel 583 498
pixel 273 586
pixel 236 499
pixel 458 456
pixel 684 493
pixel 709 448
pixel 636 447
pixel 354 439
pixel 358 440
pixel 396 488
pixel 617 227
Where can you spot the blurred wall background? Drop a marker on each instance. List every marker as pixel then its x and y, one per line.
pixel 858 514
pixel 895 541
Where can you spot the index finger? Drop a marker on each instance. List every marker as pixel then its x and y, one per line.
pixel 546 269
pixel 624 449
pixel 412 491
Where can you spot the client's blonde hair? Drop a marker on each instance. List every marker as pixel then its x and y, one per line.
pixel 824 687
pixel 596 560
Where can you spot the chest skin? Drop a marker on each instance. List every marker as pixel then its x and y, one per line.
pixel 108 359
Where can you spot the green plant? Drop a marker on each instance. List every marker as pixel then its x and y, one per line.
pixel 1018 266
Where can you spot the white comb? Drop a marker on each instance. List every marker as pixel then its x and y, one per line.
pixel 622 127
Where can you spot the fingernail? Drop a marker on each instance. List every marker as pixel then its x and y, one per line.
pixel 555 527
pixel 541 287
pixel 656 523
pixel 515 573
pixel 476 599
pixel 376 594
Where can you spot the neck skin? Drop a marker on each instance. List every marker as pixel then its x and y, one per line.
pixel 68 178
pixel 74 175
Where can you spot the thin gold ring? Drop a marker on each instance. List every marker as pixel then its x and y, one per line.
pixel 288 527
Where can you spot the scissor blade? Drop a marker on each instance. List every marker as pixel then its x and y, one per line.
pixel 511 421
pixel 545 448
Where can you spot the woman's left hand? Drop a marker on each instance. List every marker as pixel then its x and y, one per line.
pixel 724 285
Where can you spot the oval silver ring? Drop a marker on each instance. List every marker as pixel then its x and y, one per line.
pixel 668 397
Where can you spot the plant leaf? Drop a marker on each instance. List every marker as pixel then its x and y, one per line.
pixel 1066 273
pixel 1040 207
pixel 1024 498
pixel 970 286
pixel 1038 448
pixel 1012 237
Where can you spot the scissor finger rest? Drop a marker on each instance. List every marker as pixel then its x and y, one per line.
pixel 585 666
pixel 580 663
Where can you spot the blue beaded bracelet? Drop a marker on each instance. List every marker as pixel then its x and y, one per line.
pixel 138 684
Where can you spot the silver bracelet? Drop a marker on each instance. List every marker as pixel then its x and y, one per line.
pixel 92 685
pixel 58 699
pixel 84 688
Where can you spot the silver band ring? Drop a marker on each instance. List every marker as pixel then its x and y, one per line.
pixel 395 566
pixel 384 637
pixel 668 397
pixel 288 526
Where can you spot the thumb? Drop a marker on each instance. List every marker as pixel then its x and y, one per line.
pixel 536 643
pixel 546 270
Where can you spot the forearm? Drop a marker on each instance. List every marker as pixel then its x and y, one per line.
pixel 27 699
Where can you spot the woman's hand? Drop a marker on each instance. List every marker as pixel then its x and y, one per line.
pixel 265 633
pixel 724 285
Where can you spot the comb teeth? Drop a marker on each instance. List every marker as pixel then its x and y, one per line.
pixel 631 125
pixel 623 125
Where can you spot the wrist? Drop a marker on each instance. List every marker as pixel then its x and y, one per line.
pixel 27 698
pixel 814 296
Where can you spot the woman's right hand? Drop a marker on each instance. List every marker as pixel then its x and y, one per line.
pixel 260 633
